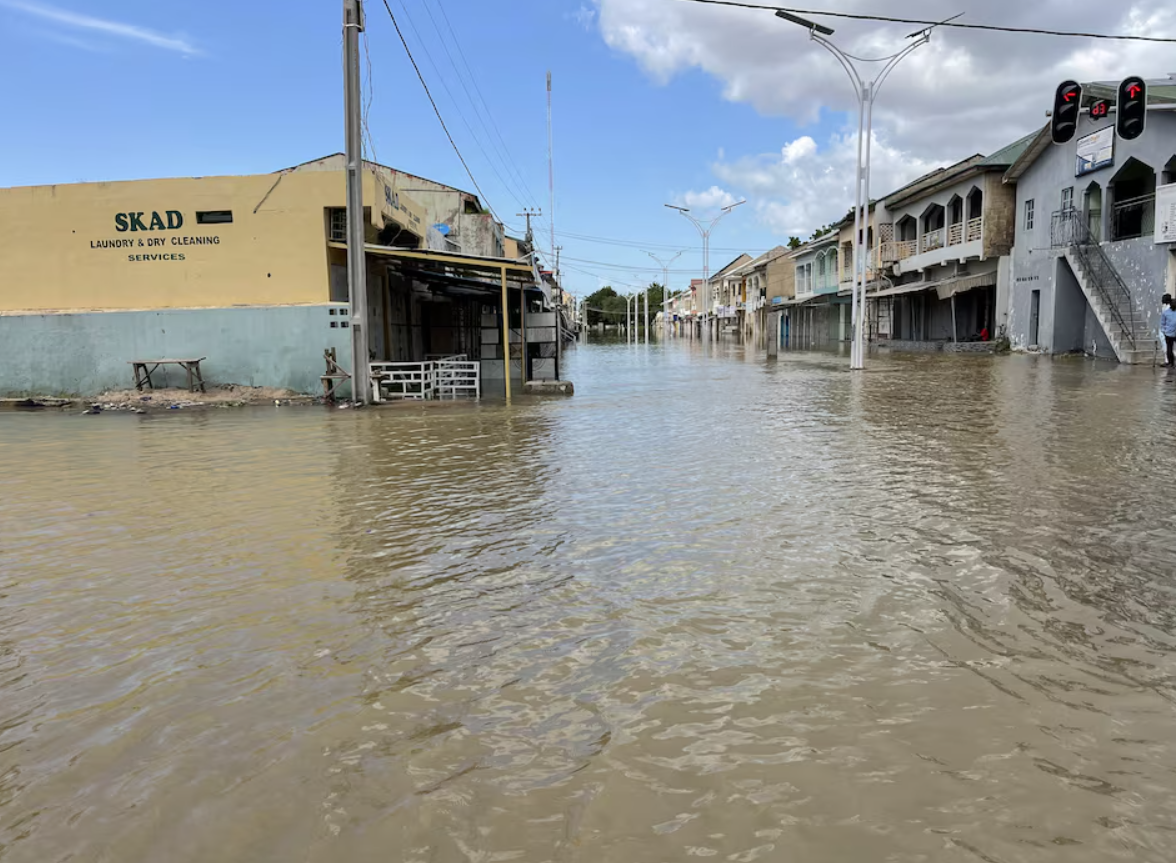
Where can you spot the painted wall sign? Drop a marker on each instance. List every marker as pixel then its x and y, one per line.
pixel 146 222
pixel 124 222
pixel 1166 214
pixel 1096 151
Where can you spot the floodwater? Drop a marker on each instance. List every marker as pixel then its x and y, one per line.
pixel 713 606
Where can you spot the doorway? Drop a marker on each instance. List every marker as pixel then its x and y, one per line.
pixel 1034 318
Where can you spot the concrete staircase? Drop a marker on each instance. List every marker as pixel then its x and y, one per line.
pixel 1130 336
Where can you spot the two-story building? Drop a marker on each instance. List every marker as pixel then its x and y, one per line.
pixel 1094 248
pixel 817 316
pixel 943 246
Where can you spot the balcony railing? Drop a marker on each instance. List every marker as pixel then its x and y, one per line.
pixel 933 240
pixel 955 234
pixel 904 249
pixel 975 230
pixel 1134 218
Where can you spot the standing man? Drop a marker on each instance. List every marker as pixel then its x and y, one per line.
pixel 1168 328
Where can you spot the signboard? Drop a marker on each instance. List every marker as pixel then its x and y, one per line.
pixel 1096 151
pixel 1166 214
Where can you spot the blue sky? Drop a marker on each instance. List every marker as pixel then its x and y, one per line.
pixel 655 101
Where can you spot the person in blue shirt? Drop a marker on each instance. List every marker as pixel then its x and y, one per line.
pixel 1168 328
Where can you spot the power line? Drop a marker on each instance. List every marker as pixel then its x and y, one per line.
pixel 437 111
pixel 958 24
pixel 453 99
pixel 510 161
pixel 512 190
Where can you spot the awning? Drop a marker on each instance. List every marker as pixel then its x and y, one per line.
pixel 458 275
pixel 946 288
pixel 902 289
pixel 951 287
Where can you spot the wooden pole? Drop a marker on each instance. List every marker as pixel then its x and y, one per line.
pixel 953 320
pixel 505 315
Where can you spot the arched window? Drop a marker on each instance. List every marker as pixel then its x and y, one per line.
pixel 1133 198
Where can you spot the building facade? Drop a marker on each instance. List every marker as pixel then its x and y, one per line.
pixel 250 272
pixel 1088 266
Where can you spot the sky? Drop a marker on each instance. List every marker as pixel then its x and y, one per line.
pixel 655 102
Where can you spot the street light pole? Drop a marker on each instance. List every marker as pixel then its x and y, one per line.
pixel 665 265
pixel 866 94
pixel 705 232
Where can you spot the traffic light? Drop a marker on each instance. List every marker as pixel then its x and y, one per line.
pixel 1132 111
pixel 1067 103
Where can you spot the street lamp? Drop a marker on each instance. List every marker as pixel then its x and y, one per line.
pixel 665 265
pixel 706 232
pixel 866 93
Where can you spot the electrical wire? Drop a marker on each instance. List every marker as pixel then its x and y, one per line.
pixel 957 24
pixel 509 161
pixel 437 111
pixel 511 188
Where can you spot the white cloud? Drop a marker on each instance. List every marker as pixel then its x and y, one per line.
pixel 585 16
pixel 101 25
pixel 805 186
pixel 966 92
pixel 713 198
pixel 799 149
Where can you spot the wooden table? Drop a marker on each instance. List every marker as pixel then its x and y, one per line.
pixel 144 368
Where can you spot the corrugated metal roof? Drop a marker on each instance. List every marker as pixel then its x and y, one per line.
pixel 1009 154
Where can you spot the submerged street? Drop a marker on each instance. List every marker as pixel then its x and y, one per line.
pixel 712 606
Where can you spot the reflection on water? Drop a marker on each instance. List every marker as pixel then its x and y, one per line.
pixel 710 607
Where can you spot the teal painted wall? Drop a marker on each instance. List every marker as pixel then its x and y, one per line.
pixel 88 353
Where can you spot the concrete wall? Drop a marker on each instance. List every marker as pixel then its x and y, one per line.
pixel 1069 310
pixel 100 246
pixel 1144 266
pixel 1000 216
pixel 781 276
pixel 86 354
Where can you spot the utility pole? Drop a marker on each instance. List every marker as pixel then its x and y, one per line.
pixel 528 215
pixel 353 24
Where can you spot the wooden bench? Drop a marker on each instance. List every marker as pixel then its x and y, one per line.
pixel 144 368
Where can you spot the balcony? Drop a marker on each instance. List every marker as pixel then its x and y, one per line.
pixel 933 240
pixel 1134 218
pixel 975 230
pixel 904 249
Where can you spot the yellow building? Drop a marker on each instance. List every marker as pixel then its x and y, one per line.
pixel 247 271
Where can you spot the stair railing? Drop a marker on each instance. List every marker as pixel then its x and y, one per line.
pixel 1070 230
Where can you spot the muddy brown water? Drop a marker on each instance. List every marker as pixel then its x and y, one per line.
pixel 710 607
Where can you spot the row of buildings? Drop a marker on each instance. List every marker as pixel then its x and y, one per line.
pixel 1054 248
pixel 251 273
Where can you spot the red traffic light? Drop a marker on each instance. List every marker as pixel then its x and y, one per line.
pixel 1131 118
pixel 1067 102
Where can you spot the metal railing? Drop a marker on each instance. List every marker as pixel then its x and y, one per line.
pixel 1134 218
pixel 458 377
pixel 402 381
pixel 1068 229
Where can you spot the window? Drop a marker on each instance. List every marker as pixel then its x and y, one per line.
pixel 1067 199
pixel 1029 215
pixel 215 217
pixel 338 225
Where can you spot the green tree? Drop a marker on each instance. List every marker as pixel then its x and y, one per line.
pixel 795 242
pixel 605 306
